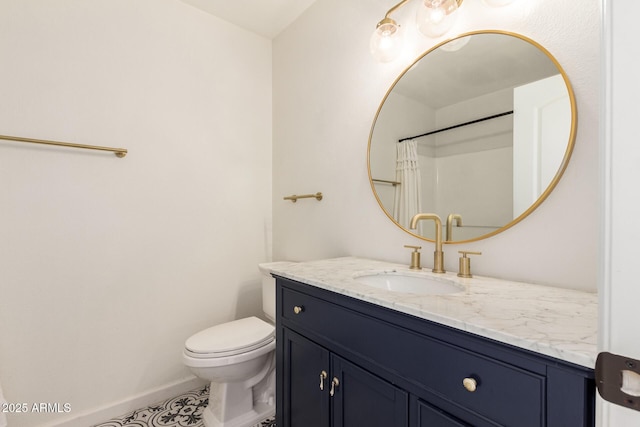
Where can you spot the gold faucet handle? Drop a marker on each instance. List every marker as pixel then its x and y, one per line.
pixel 465 263
pixel 465 253
pixel 415 257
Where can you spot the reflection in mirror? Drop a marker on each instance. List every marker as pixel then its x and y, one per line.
pixel 481 127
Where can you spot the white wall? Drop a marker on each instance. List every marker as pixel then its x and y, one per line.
pixel 477 186
pixel 474 165
pixel 327 89
pixel 107 265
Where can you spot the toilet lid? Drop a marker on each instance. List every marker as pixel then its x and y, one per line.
pixel 231 338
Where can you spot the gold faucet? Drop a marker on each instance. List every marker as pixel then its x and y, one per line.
pixel 415 257
pixel 438 255
pixel 452 217
pixel 465 263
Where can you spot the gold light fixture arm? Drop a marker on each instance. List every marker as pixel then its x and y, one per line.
pixel 119 152
pixel 387 16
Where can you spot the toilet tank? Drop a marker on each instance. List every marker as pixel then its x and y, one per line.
pixel 269 288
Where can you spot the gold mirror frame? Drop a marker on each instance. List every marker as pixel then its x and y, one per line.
pixel 554 181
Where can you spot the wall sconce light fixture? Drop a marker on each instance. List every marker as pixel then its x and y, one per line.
pixel 433 19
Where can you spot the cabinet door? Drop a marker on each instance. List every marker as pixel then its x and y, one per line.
pixel 306 397
pixel 362 399
pixel 430 416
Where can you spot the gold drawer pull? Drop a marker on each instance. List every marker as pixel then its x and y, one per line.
pixel 298 309
pixel 470 384
pixel 334 383
pixel 323 376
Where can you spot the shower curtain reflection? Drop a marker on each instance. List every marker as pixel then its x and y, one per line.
pixel 407 196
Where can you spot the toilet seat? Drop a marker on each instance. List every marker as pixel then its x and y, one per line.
pixel 222 344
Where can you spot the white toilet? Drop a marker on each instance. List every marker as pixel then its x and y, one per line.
pixel 239 359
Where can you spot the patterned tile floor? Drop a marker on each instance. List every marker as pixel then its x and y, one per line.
pixel 181 411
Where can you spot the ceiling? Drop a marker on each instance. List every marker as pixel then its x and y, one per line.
pixel 488 63
pixel 264 17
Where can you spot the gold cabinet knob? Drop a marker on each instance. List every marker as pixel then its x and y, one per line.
pixel 298 309
pixel 470 384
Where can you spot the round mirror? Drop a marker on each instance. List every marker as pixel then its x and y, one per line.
pixel 478 130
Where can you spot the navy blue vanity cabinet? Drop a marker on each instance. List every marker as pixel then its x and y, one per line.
pixel 304 375
pixel 320 389
pixel 428 416
pixel 345 362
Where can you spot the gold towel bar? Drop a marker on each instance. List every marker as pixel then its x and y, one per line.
pixel 294 198
pixel 119 152
pixel 384 181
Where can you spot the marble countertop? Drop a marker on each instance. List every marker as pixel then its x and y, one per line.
pixel 557 322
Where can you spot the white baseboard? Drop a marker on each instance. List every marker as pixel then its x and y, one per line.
pixel 142 400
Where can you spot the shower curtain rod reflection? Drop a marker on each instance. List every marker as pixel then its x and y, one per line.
pixel 119 152
pixel 495 116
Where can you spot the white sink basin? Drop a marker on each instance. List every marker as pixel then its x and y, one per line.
pixel 409 283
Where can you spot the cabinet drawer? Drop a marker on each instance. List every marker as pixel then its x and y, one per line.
pixel 504 394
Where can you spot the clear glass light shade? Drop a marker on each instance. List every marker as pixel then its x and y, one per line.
pixel 436 17
pixel 386 42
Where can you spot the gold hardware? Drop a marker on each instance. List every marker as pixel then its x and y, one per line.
pixel 389 12
pixel 384 181
pixel 452 217
pixel 470 384
pixel 415 257
pixel 294 198
pixel 387 17
pixel 323 376
pixel 438 255
pixel 119 152
pixel 465 263
pixel 334 383
pixel 298 309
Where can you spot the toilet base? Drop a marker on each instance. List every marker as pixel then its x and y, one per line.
pixel 242 404
pixel 259 413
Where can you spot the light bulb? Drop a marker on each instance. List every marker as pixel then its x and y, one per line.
pixel 386 41
pixel 436 17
